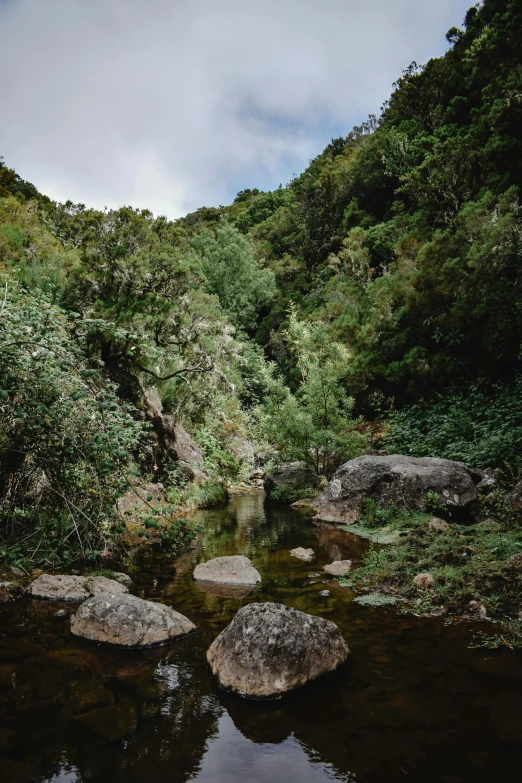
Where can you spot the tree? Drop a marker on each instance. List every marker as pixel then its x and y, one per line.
pixel 315 424
pixel 232 272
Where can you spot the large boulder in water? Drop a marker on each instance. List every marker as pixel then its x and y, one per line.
pixel 128 621
pixel 229 570
pixel 290 477
pixel 405 482
pixel 269 649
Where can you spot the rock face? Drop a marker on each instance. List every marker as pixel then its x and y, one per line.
pixel 338 567
pixel 172 440
pixel 402 481
pixel 59 588
pixel 55 587
pixel 232 570
pixel 293 475
pixel 270 649
pixel 303 554
pixel 128 621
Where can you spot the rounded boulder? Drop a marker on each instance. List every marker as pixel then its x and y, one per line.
pixel 270 649
pixel 127 621
pixel 231 570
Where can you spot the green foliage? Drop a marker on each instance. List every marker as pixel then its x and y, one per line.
pixel 287 494
pixel 467 562
pixel 478 426
pixel 375 600
pixel 314 425
pixel 65 437
pixel 228 261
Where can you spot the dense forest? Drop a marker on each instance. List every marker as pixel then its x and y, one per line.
pixel 373 301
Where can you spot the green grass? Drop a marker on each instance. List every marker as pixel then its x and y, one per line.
pixel 467 562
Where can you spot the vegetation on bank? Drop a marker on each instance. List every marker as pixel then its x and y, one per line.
pixel 383 282
pixel 476 568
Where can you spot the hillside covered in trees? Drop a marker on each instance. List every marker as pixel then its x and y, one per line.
pixel 383 283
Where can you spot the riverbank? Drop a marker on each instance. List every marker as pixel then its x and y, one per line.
pixel 472 570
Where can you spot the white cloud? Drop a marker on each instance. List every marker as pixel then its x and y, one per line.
pixel 173 104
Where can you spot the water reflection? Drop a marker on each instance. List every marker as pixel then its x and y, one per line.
pixel 232 758
pixel 413 704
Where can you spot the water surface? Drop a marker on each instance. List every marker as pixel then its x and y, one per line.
pixel 414 703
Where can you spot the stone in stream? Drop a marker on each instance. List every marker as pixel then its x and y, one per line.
pixel 270 649
pixel 128 621
pixel 229 570
pixel 406 482
pixel 96 585
pixel 338 567
pixel 124 579
pixel 58 587
pixel 303 554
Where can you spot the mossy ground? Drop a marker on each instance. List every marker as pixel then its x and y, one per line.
pixel 467 562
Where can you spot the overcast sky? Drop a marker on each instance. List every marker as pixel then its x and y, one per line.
pixel 176 104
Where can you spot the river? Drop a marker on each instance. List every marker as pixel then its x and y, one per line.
pixel 413 704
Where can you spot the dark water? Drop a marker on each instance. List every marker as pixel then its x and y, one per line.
pixel 414 703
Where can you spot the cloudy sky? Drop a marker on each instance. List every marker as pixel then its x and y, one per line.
pixel 175 104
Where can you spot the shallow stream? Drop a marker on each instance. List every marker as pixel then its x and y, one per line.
pixel 414 703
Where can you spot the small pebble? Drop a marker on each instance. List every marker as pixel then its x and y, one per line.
pixel 313 582
pixel 313 576
pixel 61 613
pixel 325 593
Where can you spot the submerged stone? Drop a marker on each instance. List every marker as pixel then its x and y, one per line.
pixel 338 567
pixel 230 570
pixel 270 649
pixel 128 621
pixel 302 554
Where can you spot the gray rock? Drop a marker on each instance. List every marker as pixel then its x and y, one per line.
pixel 488 478
pixel 338 567
pixel 303 554
pixel 128 621
pixel 270 649
pixel 293 475
pixel 96 585
pixel 172 440
pixel 123 579
pixel 403 481
pixel 425 581
pixel 61 613
pixel 325 593
pixel 438 524
pixel 57 587
pixel 230 570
